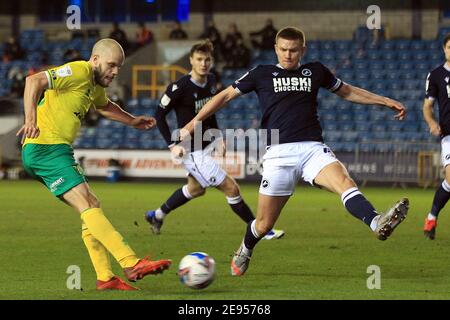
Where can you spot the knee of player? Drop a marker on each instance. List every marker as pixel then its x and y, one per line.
pixel 197 192
pixel 263 227
pixel 234 191
pixel 231 188
pixel 346 183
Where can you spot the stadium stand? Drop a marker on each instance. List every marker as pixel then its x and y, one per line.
pixel 395 68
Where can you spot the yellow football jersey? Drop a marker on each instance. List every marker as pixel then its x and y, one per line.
pixel 71 92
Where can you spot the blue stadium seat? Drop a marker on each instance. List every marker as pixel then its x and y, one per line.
pixel 350 136
pixel 332 136
pixel 420 55
pixel 374 55
pixel 391 66
pixel 365 136
pixel 381 135
pixel 376 65
pixel 378 86
pixel 402 44
pixel 388 55
pixel 132 104
pixel 379 127
pixel 329 117
pixel 361 65
pixel 394 84
pixel 329 125
pixel 436 55
pixel 346 74
pixel 366 147
pixel 378 74
pixel 387 45
pixel 407 71
pixel 346 126
pixel 362 124
pixel 395 126
pixel 131 144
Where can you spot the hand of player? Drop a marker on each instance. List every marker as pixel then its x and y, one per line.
pixel 143 122
pixel 435 129
pixel 28 131
pixel 185 132
pixel 397 107
pixel 177 151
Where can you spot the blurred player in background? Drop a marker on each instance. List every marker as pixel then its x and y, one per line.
pixel 50 128
pixel 186 97
pixel 438 88
pixel 287 93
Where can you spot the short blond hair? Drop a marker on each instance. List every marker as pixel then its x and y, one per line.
pixel 291 33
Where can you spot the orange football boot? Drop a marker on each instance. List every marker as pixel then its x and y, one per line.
pixel 115 283
pixel 145 267
pixel 429 229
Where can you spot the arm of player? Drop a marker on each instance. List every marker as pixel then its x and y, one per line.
pixel 428 115
pixel 163 126
pixel 211 107
pixel 358 95
pixel 34 86
pixel 114 112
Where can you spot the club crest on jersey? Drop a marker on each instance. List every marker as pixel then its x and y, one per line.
pixel 65 71
pixel 446 79
pixel 174 87
pixel 306 72
pixel 275 74
pixel 213 90
pixel 291 84
pixel 195 95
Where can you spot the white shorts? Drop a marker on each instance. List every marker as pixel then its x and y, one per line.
pixel 445 151
pixel 204 169
pixel 285 163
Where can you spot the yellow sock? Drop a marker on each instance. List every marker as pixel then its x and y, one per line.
pixel 103 231
pixel 98 254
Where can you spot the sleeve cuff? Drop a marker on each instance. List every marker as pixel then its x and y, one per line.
pixel 336 86
pixel 49 79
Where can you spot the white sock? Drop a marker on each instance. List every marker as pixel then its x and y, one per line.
pixel 431 217
pixel 374 223
pixel 246 250
pixel 159 214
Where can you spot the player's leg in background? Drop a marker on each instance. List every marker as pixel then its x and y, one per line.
pixel 234 198
pixel 232 193
pixel 441 197
pixel 189 191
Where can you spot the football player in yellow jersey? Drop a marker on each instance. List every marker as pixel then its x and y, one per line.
pixel 49 130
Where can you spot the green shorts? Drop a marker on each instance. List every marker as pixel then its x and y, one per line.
pixel 53 165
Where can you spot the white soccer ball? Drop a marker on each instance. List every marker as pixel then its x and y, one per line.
pixel 196 270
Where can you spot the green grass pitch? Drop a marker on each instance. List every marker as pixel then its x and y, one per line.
pixel 324 254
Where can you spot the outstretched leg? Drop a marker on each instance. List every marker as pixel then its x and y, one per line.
pixel 335 178
pixel 81 198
